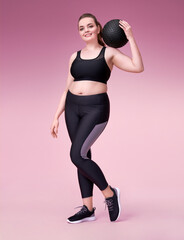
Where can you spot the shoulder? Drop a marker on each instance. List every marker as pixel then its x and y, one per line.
pixel 72 57
pixel 111 52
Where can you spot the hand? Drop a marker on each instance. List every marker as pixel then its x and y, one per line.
pixel 54 128
pixel 127 29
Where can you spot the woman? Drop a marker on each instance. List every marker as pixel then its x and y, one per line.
pixel 87 109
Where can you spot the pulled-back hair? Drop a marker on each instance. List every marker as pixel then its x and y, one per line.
pixel 100 39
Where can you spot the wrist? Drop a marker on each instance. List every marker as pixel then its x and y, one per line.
pixel 131 38
pixel 56 117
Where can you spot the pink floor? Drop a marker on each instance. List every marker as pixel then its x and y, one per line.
pixel 143 219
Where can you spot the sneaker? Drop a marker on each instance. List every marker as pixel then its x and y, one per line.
pixel 113 204
pixel 84 215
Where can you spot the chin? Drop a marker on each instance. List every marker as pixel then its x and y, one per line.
pixel 89 39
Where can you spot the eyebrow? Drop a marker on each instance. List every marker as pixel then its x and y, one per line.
pixel 87 25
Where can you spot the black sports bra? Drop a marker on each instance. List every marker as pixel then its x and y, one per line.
pixel 95 69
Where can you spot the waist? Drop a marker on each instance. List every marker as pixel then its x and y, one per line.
pixel 94 80
pixel 87 87
pixel 99 98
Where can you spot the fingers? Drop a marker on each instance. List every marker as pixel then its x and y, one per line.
pixel 54 131
pixel 54 134
pixel 123 24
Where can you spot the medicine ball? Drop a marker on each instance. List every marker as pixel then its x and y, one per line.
pixel 113 35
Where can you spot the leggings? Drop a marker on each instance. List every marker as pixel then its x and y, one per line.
pixel 86 117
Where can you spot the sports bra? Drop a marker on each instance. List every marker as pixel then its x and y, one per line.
pixel 95 69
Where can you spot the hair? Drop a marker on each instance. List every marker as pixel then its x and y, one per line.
pixel 100 39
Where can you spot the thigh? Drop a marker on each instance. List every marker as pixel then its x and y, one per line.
pixel 93 122
pixel 72 120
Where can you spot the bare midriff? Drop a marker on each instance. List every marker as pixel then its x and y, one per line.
pixel 87 87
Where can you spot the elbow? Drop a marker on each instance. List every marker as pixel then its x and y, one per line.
pixel 139 70
pixel 142 68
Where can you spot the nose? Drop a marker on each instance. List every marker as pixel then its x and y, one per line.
pixel 86 30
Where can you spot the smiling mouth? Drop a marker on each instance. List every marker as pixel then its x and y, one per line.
pixel 88 35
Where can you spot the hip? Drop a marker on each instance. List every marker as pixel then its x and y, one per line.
pixel 92 99
pixel 95 106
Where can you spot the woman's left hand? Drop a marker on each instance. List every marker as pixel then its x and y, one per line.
pixel 127 29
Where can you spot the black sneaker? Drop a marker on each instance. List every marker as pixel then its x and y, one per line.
pixel 83 215
pixel 113 204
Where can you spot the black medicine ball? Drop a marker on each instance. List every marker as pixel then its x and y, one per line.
pixel 113 35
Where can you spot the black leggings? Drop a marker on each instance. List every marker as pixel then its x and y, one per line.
pixel 86 117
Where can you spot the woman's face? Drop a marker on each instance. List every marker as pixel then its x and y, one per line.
pixel 88 29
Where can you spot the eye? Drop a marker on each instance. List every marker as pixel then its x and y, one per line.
pixel 91 26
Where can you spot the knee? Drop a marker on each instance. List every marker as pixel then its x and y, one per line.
pixel 75 156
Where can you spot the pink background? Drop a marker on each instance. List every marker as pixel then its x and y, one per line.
pixel 141 150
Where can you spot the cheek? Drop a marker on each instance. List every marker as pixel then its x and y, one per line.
pixel 81 33
pixel 95 31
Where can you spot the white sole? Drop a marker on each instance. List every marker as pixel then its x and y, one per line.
pixel 88 219
pixel 118 197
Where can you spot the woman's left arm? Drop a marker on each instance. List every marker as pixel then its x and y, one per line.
pixel 122 61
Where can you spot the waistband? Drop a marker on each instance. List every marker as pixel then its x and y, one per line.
pixel 99 98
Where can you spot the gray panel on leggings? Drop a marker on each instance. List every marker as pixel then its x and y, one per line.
pixel 94 134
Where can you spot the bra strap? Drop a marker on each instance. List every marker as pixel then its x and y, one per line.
pixel 102 52
pixel 78 52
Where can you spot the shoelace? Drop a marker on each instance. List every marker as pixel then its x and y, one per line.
pixel 109 203
pixel 83 210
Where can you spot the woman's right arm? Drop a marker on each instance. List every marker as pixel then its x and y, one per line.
pixel 61 106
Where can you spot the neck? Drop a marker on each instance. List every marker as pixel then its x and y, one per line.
pixel 92 46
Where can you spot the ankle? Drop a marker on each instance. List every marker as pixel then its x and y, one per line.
pixel 111 194
pixel 88 202
pixel 90 208
pixel 108 192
